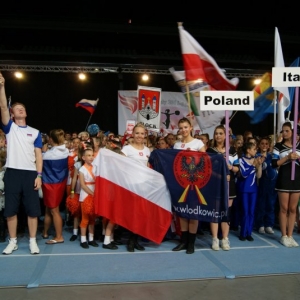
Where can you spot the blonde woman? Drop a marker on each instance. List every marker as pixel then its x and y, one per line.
pixel 140 153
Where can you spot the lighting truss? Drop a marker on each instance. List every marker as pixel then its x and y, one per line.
pixel 230 73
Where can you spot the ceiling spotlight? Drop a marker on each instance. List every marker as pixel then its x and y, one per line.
pixel 82 76
pixel 19 75
pixel 257 81
pixel 145 77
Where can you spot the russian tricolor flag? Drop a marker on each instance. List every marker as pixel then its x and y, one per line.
pixel 89 105
pixel 55 174
pixel 132 195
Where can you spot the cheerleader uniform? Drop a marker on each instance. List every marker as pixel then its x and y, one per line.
pixel 284 182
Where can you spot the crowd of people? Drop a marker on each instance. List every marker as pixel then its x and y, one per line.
pixel 263 179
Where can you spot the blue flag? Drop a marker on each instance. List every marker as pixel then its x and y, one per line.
pixel 264 102
pixel 197 182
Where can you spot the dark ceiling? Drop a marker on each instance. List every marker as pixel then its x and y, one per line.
pixel 84 35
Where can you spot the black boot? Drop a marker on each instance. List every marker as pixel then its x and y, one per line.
pixel 191 244
pixel 130 244
pixel 183 242
pixel 137 246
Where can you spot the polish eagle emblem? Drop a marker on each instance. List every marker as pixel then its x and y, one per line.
pixel 192 170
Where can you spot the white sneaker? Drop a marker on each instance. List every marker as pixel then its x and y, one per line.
pixel 215 244
pixel 225 244
pixel 34 249
pixel 285 241
pixel 269 230
pixel 293 242
pixel 261 230
pixel 10 247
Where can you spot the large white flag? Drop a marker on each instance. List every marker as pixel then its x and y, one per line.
pixel 284 96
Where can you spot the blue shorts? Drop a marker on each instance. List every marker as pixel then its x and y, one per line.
pixel 19 186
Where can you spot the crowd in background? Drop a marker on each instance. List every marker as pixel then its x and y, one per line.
pixel 258 209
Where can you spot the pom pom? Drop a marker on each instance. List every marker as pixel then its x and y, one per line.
pixel 73 205
pixel 88 206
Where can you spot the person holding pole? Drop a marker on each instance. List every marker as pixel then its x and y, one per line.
pixel 288 189
pixel 218 147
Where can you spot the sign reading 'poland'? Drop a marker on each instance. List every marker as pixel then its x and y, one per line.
pixel 286 77
pixel 226 100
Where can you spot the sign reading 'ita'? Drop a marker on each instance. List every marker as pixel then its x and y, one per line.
pixel 286 77
pixel 226 100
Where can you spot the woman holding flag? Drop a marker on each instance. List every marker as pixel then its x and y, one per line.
pixel 140 153
pixel 288 189
pixel 55 174
pixel 188 227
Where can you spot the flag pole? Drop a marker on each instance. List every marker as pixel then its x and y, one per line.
pixel 189 100
pixel 88 122
pixel 227 135
pixel 91 116
pixel 233 115
pixel 274 119
pixel 187 86
pixel 295 130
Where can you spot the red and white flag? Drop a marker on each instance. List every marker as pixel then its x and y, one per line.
pixel 199 65
pixel 132 195
pixel 284 96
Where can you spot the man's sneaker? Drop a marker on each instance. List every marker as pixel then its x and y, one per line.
pixel 10 247
pixel 225 244
pixel 285 241
pixel 34 249
pixel 293 242
pixel 262 230
pixel 269 230
pixel 215 244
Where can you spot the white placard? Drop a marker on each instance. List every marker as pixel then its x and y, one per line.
pixel 285 77
pixel 226 100
pixel 129 126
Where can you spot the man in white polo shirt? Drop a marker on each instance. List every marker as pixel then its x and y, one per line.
pixel 23 175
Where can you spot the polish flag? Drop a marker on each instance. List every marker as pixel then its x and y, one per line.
pixel 55 175
pixel 132 195
pixel 199 65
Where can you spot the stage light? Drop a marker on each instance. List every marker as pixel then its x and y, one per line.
pixel 145 77
pixel 82 76
pixel 257 81
pixel 18 75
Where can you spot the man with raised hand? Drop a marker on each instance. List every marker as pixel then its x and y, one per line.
pixel 23 175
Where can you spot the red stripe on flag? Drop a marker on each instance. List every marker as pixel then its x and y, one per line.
pixel 197 68
pixel 131 211
pixel 53 193
pixel 86 106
